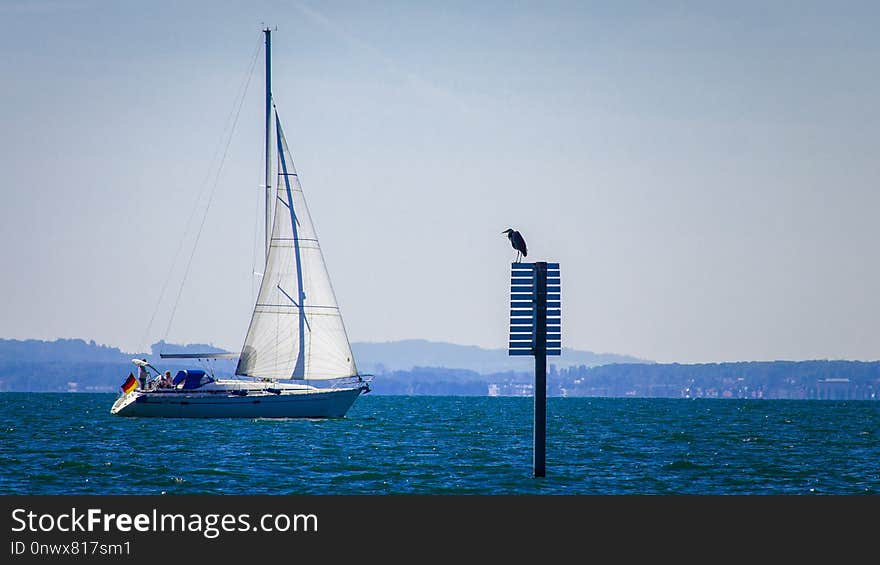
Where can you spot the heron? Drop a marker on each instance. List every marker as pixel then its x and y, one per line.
pixel 518 243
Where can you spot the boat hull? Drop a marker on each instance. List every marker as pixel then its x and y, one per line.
pixel 319 403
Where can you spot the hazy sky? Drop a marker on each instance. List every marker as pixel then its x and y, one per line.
pixel 705 173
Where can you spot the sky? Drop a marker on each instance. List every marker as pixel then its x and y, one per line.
pixel 706 173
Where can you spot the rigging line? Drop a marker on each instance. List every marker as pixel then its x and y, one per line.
pixel 254 287
pixel 203 185
pixel 213 190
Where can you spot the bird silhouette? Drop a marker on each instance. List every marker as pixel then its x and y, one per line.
pixel 518 243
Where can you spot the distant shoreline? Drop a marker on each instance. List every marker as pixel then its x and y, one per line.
pixel 423 368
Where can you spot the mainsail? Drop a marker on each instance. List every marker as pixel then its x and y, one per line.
pixel 296 331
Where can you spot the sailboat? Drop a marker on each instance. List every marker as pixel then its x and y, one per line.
pixel 296 338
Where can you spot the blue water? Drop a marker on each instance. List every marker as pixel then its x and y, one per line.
pixel 70 444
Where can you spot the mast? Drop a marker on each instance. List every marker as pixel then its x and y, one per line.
pixel 268 179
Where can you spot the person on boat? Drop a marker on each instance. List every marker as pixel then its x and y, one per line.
pixel 166 380
pixel 143 375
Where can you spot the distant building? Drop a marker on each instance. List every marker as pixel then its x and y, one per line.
pixel 510 389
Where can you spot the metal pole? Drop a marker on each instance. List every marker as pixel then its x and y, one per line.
pixel 268 182
pixel 540 368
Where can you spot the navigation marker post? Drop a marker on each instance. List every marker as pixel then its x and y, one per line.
pixel 535 329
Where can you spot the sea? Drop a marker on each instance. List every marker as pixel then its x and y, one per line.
pixel 436 445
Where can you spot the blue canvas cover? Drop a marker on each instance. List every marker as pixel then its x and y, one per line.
pixel 191 378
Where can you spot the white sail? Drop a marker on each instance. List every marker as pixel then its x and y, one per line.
pixel 296 331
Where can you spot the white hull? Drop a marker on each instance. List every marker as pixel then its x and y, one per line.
pixel 302 403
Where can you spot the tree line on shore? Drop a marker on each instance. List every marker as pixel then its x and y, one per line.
pixel 77 366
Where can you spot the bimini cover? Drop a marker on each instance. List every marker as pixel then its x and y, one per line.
pixel 191 378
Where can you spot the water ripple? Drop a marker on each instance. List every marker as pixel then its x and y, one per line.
pixel 70 444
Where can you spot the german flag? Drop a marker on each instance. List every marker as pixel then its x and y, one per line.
pixel 130 384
